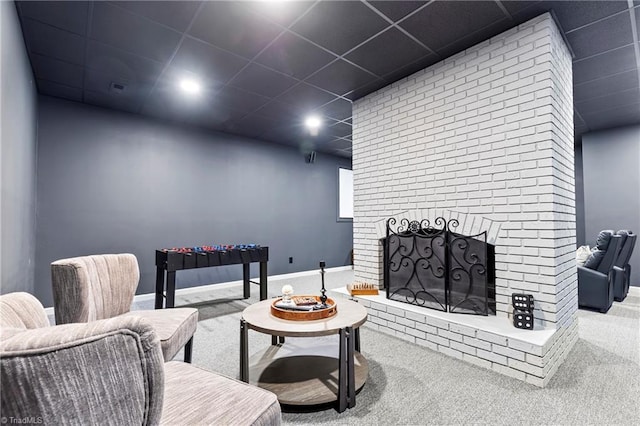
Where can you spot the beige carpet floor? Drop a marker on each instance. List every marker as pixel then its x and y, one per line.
pixel 598 384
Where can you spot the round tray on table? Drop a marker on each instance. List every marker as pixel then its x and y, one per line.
pixel 315 314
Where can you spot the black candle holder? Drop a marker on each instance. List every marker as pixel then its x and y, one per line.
pixel 323 296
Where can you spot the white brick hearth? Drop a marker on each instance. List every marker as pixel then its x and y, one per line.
pixel 486 137
pixel 489 342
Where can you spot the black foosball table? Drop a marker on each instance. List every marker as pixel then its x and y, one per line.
pixel 169 261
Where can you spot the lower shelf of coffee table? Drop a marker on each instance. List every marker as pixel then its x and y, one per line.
pixel 302 374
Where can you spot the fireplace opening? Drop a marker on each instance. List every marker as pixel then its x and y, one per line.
pixel 434 267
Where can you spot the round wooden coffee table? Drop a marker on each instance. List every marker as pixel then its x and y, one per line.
pixel 306 374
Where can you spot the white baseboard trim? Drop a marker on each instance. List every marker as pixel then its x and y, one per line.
pixel 208 287
pixel 635 291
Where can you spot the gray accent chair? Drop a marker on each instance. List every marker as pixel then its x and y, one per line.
pixel 91 288
pixel 621 267
pixel 595 281
pixel 111 371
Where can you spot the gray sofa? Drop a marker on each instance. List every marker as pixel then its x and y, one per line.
pixel 111 371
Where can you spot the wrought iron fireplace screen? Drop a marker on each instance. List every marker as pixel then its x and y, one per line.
pixel 435 267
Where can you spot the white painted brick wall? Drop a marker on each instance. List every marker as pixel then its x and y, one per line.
pixel 485 136
pixel 489 133
pixel 531 362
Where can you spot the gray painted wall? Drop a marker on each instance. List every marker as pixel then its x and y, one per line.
pixel 17 157
pixel 113 182
pixel 580 237
pixel 611 172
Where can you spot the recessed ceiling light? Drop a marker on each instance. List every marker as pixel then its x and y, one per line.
pixel 190 86
pixel 313 123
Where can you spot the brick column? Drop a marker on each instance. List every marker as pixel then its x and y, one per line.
pixel 487 132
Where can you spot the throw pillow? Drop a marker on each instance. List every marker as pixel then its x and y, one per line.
pixel 582 254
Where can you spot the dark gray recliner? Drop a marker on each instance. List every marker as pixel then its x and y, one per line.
pixel 595 281
pixel 621 267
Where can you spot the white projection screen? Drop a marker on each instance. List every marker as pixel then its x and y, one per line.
pixel 345 193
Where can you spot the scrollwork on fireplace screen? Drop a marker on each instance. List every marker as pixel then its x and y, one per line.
pixel 435 267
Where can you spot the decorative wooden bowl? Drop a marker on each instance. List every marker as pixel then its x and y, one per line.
pixel 305 315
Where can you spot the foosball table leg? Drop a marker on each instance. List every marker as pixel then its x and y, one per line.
pixel 263 280
pixel 171 289
pixel 159 287
pixel 246 273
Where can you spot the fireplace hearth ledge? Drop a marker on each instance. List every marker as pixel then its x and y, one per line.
pixel 500 326
pixel 490 342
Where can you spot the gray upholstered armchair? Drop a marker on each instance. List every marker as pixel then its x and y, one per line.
pixel 91 288
pixel 77 373
pixel 111 371
pixel 595 282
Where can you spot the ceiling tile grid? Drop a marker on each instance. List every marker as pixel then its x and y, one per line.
pixel 174 14
pixel 120 28
pixel 207 61
pixel 232 27
pixel 588 40
pixel 66 15
pixel 339 26
pixel 264 66
pixel 294 56
pixel 61 44
pixel 440 24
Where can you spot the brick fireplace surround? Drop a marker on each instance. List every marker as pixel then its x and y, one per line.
pixel 486 137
